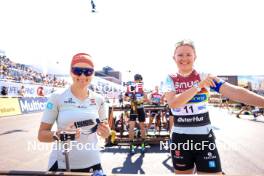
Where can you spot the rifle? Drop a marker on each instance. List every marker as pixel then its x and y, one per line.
pixel 134 102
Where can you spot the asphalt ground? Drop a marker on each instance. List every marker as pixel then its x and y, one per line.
pixel 240 144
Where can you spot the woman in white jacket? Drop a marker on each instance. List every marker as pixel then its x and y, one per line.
pixel 81 111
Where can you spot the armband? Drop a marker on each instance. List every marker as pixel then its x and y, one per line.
pixel 217 85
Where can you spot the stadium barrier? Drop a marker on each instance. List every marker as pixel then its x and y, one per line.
pixel 21 105
pixel 31 90
pixel 32 105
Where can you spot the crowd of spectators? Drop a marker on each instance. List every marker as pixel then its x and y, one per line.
pixel 22 73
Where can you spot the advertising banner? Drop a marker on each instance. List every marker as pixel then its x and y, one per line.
pixel 9 107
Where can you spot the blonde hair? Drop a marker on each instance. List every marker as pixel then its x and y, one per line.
pixel 183 43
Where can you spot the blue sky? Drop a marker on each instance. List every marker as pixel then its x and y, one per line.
pixel 136 35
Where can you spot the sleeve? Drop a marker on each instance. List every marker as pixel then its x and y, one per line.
pixel 102 109
pixel 168 85
pixel 51 111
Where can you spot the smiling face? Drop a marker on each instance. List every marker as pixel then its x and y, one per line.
pixel 81 81
pixel 184 57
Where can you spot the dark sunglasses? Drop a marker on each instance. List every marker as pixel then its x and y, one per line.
pixel 78 71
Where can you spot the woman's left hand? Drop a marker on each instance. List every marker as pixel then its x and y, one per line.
pixel 103 130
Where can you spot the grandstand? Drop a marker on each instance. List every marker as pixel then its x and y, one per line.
pixel 14 75
pixel 21 73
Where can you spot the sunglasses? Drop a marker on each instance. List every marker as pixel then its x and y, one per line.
pixel 185 42
pixel 78 71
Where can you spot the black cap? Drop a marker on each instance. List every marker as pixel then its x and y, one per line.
pixel 138 77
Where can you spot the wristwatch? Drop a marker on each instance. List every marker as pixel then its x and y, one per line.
pixel 55 136
pixel 196 85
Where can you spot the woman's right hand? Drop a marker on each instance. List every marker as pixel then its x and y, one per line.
pixel 207 82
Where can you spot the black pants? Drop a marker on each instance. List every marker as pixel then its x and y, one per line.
pixel 140 114
pixel 187 150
